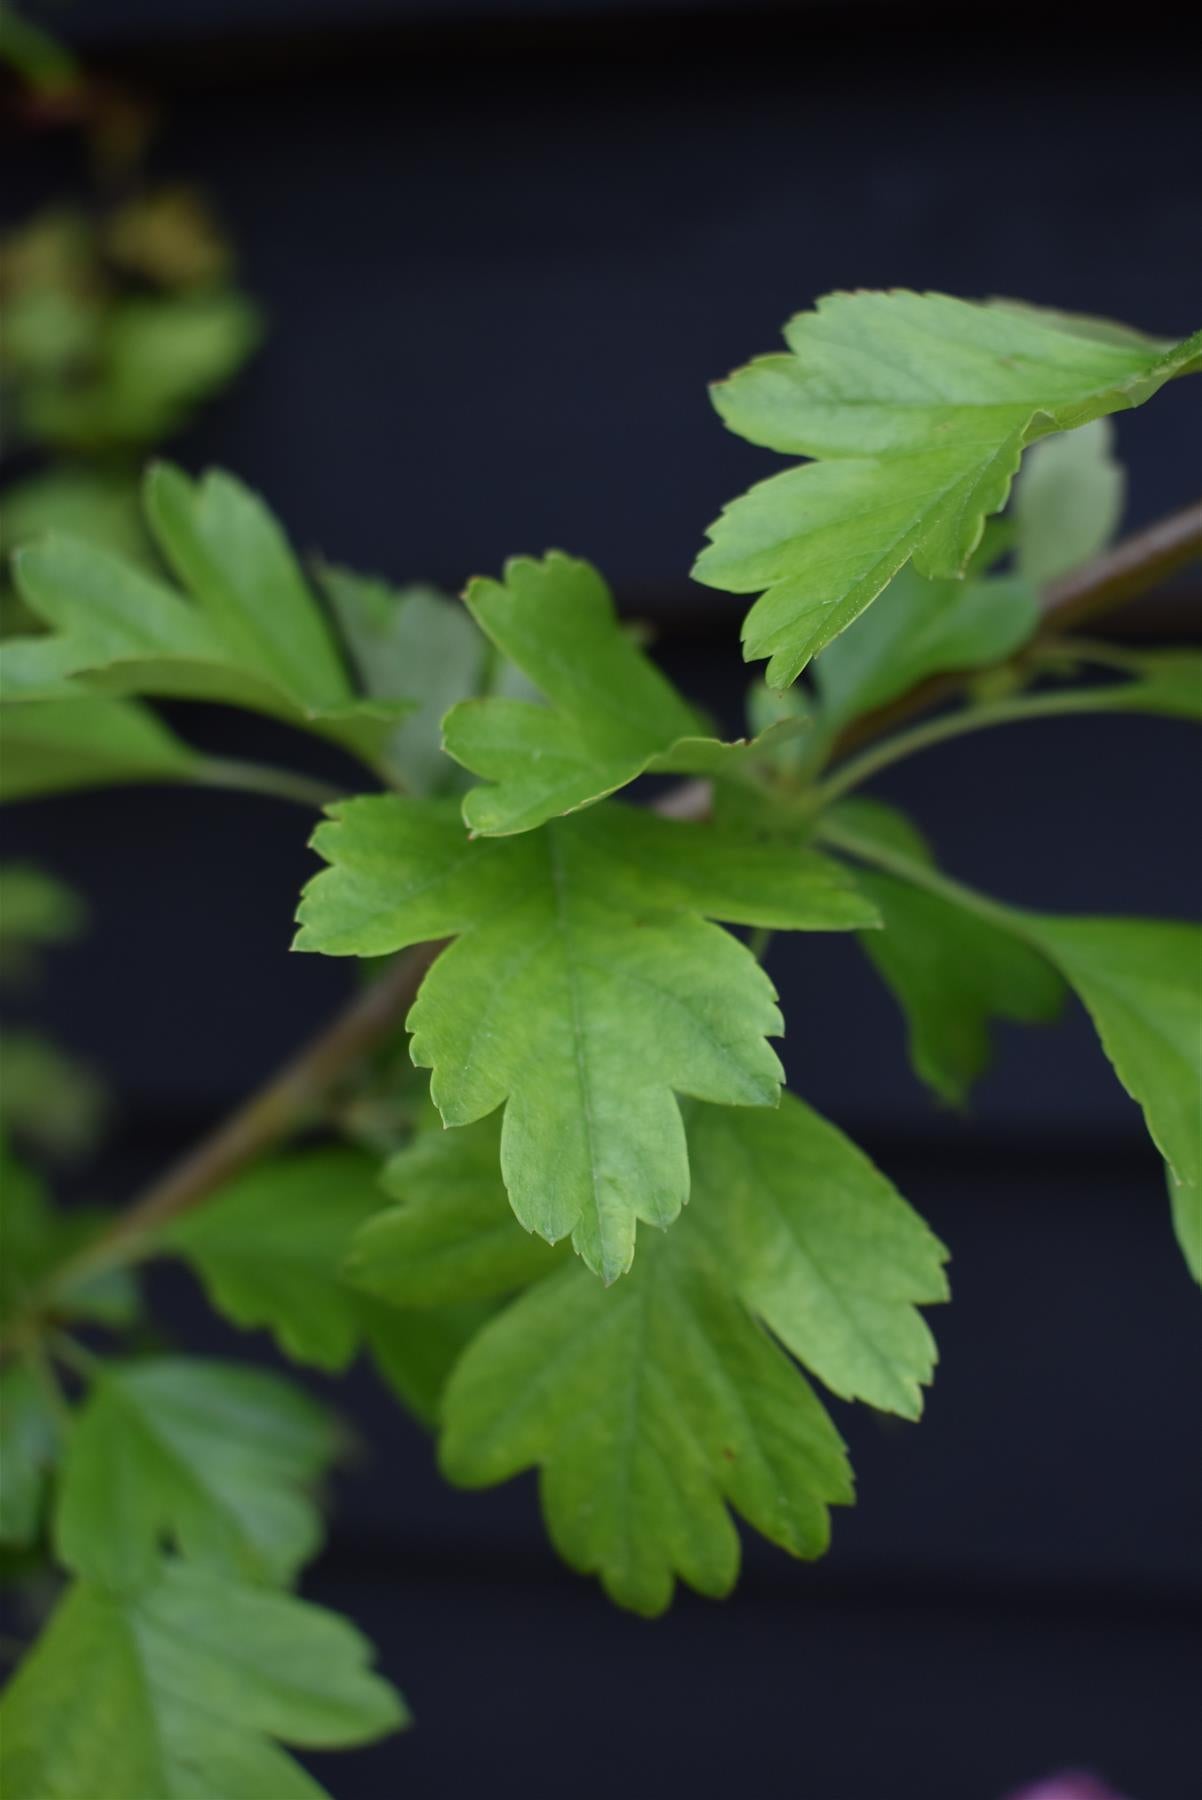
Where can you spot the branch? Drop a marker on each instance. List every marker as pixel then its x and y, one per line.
pixel 263 1121
pixel 1120 574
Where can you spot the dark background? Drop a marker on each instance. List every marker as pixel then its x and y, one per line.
pixel 502 249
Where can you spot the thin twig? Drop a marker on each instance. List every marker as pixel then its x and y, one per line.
pixel 263 1121
pixel 1123 572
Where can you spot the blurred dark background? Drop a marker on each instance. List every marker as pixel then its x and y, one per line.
pixel 501 248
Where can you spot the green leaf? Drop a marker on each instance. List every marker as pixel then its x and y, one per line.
pixel 269 1245
pixel 157 357
pixel 88 503
pixel 1141 982
pixel 1068 501
pixel 216 1458
pixel 951 971
pixel 611 715
pixel 231 555
pixel 448 1239
pixel 916 409
pixel 36 1238
pixel 922 628
pixel 586 989
pixel 1186 1209
pixel 181 1691
pixel 409 643
pixel 821 1247
pixel 415 1352
pixel 36 911
pixel 67 744
pixel 270 1249
pixel 47 1099
pixel 1164 682
pixel 28 1447
pixel 649 1409
pixel 251 634
pixel 653 1405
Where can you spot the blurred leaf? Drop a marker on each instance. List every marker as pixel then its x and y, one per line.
pixel 921 628
pixel 213 1457
pixel 1068 500
pixel 181 1689
pixel 36 1238
pixel 28 1447
pixel 102 508
pixel 47 1098
pixel 37 911
pixel 409 643
pixel 951 972
pixel 152 360
pixel 58 746
pixel 270 1245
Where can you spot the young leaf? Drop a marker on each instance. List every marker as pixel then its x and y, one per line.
pixel 916 409
pixel 187 1688
pixel 611 715
pixel 1068 500
pixel 415 1352
pixel 921 628
pixel 214 1457
pixel 951 971
pixel 28 1447
pixel 649 1408
pixel 59 746
pixel 269 1245
pixel 409 643
pixel 586 989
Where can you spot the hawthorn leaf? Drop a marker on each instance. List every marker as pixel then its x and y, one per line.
pixel 414 1352
pixel 451 1237
pixel 650 1408
pixel 1140 980
pixel 586 987
pixel 1163 682
pixel 950 971
pixel 62 745
pixel 1186 1210
pixel 652 1405
pixel 214 1457
pixel 922 628
pixel 268 1249
pixel 248 633
pixel 821 1247
pixel 185 1691
pixel 916 409
pixel 1068 500
pixel 28 1450
pixel 611 716
pixel 409 643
